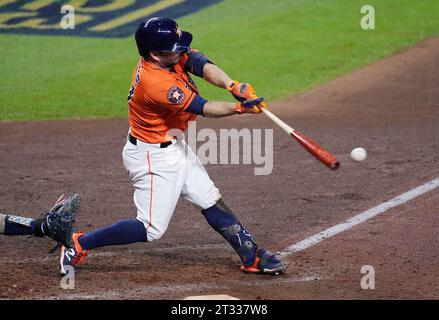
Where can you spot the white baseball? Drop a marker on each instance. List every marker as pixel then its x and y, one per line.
pixel 358 154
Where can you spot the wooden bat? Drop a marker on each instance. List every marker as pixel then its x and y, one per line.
pixel 317 151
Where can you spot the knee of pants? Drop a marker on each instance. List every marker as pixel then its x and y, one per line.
pixel 153 232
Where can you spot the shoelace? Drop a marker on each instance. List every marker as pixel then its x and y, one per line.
pixel 58 202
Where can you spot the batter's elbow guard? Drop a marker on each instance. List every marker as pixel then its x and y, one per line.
pixel 196 62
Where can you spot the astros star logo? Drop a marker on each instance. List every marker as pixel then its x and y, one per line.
pixel 175 95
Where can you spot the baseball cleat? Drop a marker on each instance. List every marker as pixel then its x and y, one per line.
pixel 266 263
pixel 72 257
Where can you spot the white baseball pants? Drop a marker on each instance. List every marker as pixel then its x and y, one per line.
pixel 160 176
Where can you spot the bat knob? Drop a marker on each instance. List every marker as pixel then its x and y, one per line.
pixel 334 165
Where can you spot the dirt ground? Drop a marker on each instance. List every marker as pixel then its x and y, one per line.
pixel 390 108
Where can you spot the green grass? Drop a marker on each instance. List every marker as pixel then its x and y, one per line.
pixel 281 47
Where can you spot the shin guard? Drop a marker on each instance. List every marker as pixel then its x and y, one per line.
pixel 222 220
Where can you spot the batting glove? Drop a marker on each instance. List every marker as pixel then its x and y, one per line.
pixel 241 91
pixel 249 106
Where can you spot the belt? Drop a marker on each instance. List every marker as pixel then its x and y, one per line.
pixel 133 140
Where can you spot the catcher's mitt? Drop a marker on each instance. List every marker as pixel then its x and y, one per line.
pixel 59 222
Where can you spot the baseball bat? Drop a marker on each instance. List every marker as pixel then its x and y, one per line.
pixel 317 151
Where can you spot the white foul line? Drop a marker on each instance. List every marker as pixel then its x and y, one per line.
pixel 366 215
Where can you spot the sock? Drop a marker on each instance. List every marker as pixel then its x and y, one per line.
pixel 122 232
pixel 222 220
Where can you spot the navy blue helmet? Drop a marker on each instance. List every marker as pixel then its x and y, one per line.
pixel 161 34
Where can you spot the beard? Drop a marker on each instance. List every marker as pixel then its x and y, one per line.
pixel 169 62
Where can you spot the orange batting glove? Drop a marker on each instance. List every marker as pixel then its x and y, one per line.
pixel 249 106
pixel 241 90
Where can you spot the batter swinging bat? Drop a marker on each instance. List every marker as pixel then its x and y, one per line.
pixel 313 148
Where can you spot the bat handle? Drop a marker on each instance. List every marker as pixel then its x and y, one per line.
pixel 275 119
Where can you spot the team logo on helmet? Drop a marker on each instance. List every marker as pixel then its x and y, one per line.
pixel 176 95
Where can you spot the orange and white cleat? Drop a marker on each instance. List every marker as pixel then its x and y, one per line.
pixel 72 257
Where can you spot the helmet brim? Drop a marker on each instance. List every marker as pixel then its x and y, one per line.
pixel 183 43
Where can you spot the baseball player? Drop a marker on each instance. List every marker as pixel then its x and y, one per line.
pixel 162 99
pixel 57 224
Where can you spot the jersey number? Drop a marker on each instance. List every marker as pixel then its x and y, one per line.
pixel 131 93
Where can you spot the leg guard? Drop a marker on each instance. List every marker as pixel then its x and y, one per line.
pixel 15 225
pixel 222 220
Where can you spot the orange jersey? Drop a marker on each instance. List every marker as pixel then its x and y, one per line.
pixel 158 99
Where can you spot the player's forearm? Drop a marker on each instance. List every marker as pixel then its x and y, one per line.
pixel 217 109
pixel 216 76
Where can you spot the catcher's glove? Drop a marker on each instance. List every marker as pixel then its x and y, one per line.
pixel 59 222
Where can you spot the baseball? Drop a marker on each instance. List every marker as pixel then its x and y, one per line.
pixel 358 154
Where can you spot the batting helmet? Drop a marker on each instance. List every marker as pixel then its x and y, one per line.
pixel 161 34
